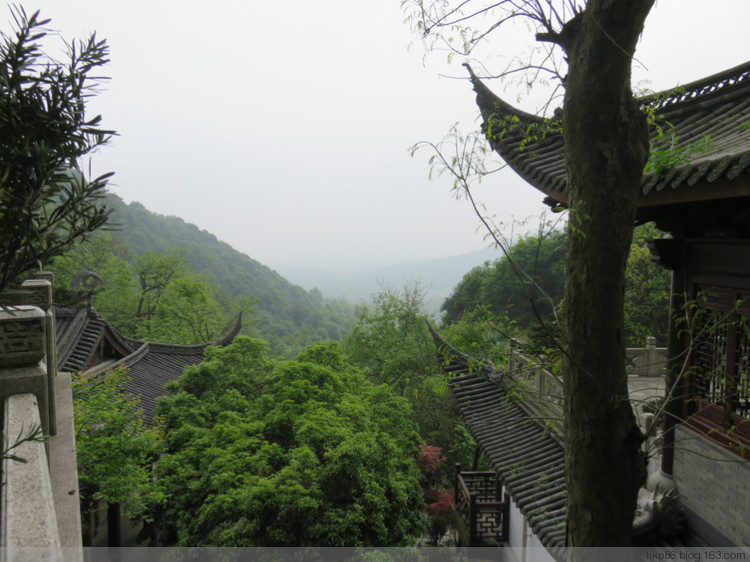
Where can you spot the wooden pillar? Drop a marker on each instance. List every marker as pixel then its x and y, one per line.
pixel 506 517
pixel 671 254
pixel 456 489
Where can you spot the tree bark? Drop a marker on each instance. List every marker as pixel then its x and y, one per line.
pixel 606 148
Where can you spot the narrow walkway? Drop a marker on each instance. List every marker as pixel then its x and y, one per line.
pixel 642 390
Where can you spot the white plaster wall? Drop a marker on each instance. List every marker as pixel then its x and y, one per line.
pixel 516 530
pixel 524 543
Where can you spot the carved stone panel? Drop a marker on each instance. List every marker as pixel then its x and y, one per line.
pixel 21 336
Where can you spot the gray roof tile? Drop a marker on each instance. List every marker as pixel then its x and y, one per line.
pixel 715 108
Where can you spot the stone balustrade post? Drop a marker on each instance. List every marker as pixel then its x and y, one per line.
pixel 28 529
pixel 651 357
pixel 39 294
pixel 22 348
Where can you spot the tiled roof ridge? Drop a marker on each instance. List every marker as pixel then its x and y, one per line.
pixel 86 339
pixel 124 341
pixel 231 334
pixel 68 332
pixel 528 460
pixel 702 154
pixel 456 363
pixel 698 90
pixel 495 103
pixel 185 349
pixel 179 349
pixel 127 361
pixel 702 89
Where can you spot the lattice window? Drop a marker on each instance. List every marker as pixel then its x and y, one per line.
pixel 485 486
pixel 710 350
pixel 720 366
pixel 741 390
pixel 480 504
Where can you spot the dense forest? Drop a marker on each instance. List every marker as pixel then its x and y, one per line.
pixel 166 280
pixel 520 295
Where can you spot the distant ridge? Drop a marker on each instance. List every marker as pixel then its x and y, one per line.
pixel 283 310
pixel 437 277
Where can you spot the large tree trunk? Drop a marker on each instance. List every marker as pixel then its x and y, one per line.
pixel 606 146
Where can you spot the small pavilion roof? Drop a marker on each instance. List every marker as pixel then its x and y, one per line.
pixel 79 332
pixel 82 334
pixel 151 367
pixel 707 120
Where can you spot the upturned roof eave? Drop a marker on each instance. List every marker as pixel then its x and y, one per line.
pixel 714 174
pixel 491 103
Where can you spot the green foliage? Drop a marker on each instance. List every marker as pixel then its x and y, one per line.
pixel 285 315
pixel 500 126
pixel 525 286
pixel 114 447
pixel 482 334
pixel 666 150
pixel 152 297
pixel 667 153
pixel 391 340
pixel 392 344
pixel 188 313
pixel 116 298
pixel 45 202
pixel 155 271
pixel 33 434
pixel 647 287
pixel 509 297
pixel 286 453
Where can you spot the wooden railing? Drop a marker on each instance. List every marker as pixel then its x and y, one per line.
pixel 482 508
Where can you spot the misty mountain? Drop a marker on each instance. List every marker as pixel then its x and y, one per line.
pixel 437 277
pixel 289 303
pixel 284 311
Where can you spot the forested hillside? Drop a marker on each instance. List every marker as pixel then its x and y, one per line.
pixel 143 253
pixel 520 295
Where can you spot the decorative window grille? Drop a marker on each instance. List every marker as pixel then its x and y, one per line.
pixel 719 377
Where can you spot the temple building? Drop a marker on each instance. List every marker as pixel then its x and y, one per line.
pixel 695 188
pixel 87 343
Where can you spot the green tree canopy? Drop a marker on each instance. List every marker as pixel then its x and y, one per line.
pixel 293 453
pixel 647 287
pixel 392 344
pixel 114 447
pixel 501 293
pixel 525 285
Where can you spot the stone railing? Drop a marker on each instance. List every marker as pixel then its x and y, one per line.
pixel 649 361
pixel 33 508
pixel 540 393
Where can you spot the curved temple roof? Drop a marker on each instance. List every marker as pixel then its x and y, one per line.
pixel 86 342
pixel 527 458
pixel 705 141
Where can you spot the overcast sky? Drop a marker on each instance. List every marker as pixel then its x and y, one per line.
pixel 283 127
